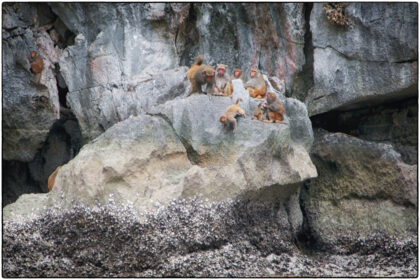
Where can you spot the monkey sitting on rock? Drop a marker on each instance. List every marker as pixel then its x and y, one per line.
pixel 222 79
pixel 274 108
pixel 256 85
pixel 237 74
pixel 200 74
pixel 259 112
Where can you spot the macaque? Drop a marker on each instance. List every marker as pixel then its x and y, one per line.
pixel 229 117
pixel 200 74
pixel 274 108
pixel 222 78
pixel 237 74
pixel 259 112
pixel 51 178
pixel 37 64
pixel 256 85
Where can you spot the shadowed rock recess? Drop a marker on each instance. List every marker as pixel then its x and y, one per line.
pixel 153 185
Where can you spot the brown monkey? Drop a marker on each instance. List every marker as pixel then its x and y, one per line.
pixel 197 62
pixel 222 78
pixel 37 64
pixel 237 74
pixel 256 85
pixel 200 74
pixel 259 112
pixel 51 179
pixel 233 111
pixel 274 108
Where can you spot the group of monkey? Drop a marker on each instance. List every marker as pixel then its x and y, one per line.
pixel 219 83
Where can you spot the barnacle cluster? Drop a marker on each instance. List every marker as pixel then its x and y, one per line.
pixel 187 238
pixel 335 13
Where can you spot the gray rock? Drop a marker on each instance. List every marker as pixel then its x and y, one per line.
pixel 29 109
pixel 363 187
pixel 100 107
pixel 181 151
pixel 375 56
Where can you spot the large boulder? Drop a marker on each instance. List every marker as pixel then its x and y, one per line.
pixel 375 56
pixel 180 150
pixel 363 188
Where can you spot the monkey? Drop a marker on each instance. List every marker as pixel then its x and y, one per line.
pixel 229 117
pixel 222 78
pixel 51 178
pixel 274 108
pixel 237 74
pixel 256 85
pixel 200 74
pixel 197 62
pixel 259 112
pixel 37 64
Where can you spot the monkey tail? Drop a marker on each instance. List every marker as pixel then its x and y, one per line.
pixel 199 60
pixel 237 100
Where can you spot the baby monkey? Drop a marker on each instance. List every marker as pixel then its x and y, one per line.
pixel 229 117
pixel 259 112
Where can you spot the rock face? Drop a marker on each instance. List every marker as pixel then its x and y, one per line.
pixel 29 109
pixel 356 190
pixel 375 56
pixel 154 38
pixel 181 150
pixel 161 189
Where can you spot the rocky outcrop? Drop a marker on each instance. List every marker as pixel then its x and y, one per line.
pixel 180 150
pixel 375 56
pixel 363 188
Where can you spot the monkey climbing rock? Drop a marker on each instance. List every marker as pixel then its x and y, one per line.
pixel 37 64
pixel 229 117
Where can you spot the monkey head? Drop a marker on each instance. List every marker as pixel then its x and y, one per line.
pixel 220 69
pixel 33 54
pixel 223 119
pixel 254 72
pixel 270 97
pixel 237 73
pixel 208 74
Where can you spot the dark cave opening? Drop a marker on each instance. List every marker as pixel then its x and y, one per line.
pixel 392 122
pixel 62 144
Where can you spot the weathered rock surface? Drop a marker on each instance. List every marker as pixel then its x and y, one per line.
pixel 155 37
pixel 363 187
pixel 100 107
pixel 376 56
pixel 29 109
pixel 393 123
pixel 182 150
